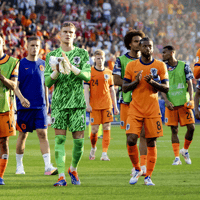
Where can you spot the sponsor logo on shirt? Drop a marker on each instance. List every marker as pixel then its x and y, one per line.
pixel 41 68
pixel 77 60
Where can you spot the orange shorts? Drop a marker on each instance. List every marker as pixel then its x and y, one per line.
pixel 123 115
pixel 101 116
pixel 7 124
pixel 180 114
pixel 153 126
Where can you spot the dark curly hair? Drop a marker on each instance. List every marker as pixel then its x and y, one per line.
pixel 129 35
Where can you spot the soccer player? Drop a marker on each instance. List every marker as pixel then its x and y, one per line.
pixel 144 107
pixel 197 65
pixel 179 103
pixel 131 41
pixel 99 103
pixel 68 102
pixel 32 106
pixel 8 81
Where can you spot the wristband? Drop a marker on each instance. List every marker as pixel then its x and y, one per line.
pixel 54 75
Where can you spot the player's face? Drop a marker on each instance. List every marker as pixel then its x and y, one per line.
pixel 99 60
pixel 166 54
pixel 135 43
pixel 34 47
pixel 67 35
pixel 146 48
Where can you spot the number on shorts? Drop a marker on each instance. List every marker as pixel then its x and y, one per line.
pixel 109 114
pixel 158 125
pixel 189 115
pixel 9 125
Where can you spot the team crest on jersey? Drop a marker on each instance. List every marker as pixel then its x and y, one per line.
pixel 127 127
pixel 166 120
pixel 92 120
pixel 197 59
pixel 154 71
pixel 77 60
pixel 106 76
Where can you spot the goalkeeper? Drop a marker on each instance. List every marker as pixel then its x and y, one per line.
pixel 66 68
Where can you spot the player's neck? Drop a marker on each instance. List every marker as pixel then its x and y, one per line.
pixel 134 54
pixel 66 46
pixel 32 58
pixel 146 60
pixel 173 62
pixel 101 67
pixel 1 54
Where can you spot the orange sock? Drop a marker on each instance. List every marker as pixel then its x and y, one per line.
pixel 151 160
pixel 143 160
pixel 3 164
pixel 187 144
pixel 106 140
pixel 175 147
pixel 134 156
pixel 93 139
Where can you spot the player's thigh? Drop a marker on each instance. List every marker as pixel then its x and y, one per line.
pixel 60 119
pixel 123 115
pixel 153 127
pixel 41 119
pixel 25 120
pixel 134 125
pixel 171 117
pixel 7 124
pixel 186 116
pixel 77 120
pixel 96 117
pixel 107 115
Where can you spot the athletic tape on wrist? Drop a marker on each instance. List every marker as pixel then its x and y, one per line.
pixel 75 70
pixel 55 75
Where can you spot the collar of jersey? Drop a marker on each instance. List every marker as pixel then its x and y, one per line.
pixel 130 57
pixel 99 69
pixel 4 59
pixel 147 63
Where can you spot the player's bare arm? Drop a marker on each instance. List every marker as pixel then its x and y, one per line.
pixel 126 86
pixel 162 87
pixel 196 103
pixel 87 98
pixel 47 97
pixel 113 97
pixel 25 102
pixel 169 105
pixel 118 80
pixel 9 83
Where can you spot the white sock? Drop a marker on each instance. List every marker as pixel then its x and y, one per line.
pixel 73 168
pixel 104 153
pixel 19 158
pixel 47 160
pixel 62 174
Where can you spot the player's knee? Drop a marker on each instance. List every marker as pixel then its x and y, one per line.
pixel 174 129
pixel 151 142
pixel 106 126
pixel 95 129
pixel 42 135
pixel 60 139
pixel 4 145
pixel 191 128
pixel 132 139
pixel 22 136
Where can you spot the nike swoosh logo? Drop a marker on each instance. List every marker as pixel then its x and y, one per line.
pixel 26 68
pixel 158 132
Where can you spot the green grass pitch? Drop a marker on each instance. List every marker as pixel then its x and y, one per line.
pixel 105 180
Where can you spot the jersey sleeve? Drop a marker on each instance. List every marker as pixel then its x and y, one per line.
pixel 85 73
pixel 188 72
pixel 15 72
pixel 117 67
pixel 111 80
pixel 128 75
pixel 197 63
pixel 163 72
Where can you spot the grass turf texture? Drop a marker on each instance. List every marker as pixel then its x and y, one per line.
pixel 103 179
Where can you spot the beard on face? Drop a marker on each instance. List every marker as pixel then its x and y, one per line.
pixel 146 55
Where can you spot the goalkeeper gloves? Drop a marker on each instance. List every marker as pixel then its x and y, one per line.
pixel 189 104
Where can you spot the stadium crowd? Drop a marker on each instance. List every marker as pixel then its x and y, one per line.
pixel 102 24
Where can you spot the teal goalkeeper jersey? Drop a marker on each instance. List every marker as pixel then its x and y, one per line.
pixel 68 89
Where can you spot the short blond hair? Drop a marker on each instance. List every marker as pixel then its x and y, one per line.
pixel 99 52
pixel 68 24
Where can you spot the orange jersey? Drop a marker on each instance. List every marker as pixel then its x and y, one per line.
pixel 197 65
pixel 100 84
pixel 144 97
